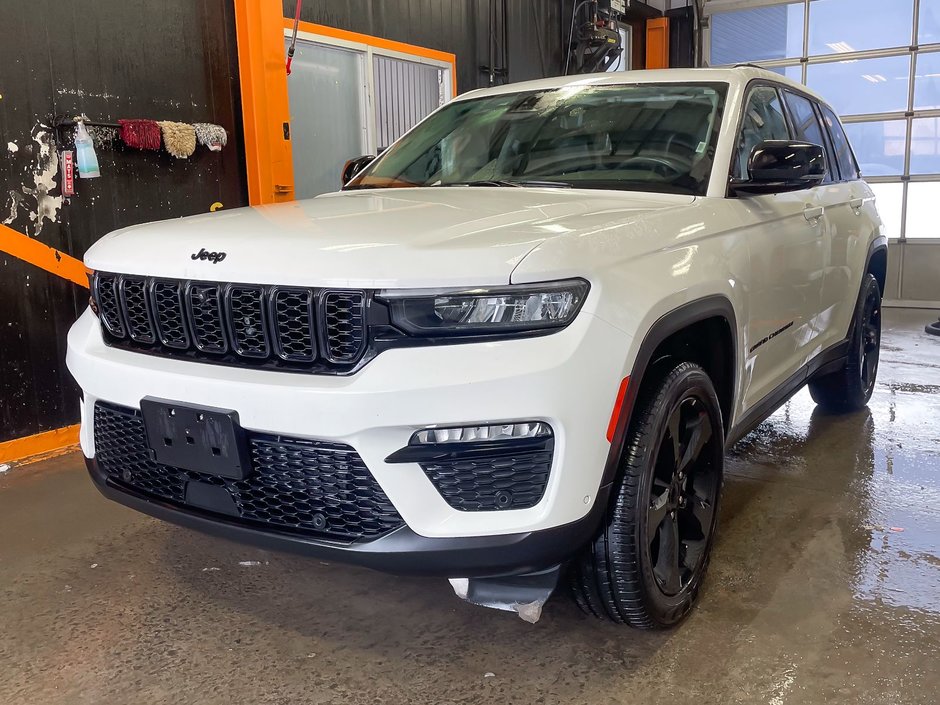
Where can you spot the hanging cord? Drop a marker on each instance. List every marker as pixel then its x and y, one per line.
pixel 574 14
pixel 293 36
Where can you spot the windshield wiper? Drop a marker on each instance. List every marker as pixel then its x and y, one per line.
pixel 508 182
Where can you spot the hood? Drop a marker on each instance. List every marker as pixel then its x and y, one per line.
pixel 416 237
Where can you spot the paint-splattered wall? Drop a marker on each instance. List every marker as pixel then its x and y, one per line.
pixel 108 59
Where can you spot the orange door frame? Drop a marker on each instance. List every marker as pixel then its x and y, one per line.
pixel 380 43
pixel 657 43
pixel 259 33
pixel 259 36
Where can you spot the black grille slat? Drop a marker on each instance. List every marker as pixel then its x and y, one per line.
pixel 278 327
pixel 309 487
pixel 344 323
pixel 169 314
pixel 499 481
pixel 295 332
pixel 109 305
pixel 205 314
pixel 137 309
pixel 248 321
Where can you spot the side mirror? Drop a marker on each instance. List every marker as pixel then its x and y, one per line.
pixel 778 166
pixel 354 166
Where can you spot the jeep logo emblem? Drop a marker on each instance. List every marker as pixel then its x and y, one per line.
pixel 214 257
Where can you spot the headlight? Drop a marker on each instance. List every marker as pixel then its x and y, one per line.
pixel 506 309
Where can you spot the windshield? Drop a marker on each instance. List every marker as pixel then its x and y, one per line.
pixel 641 137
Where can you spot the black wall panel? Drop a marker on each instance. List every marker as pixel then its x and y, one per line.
pixel 109 59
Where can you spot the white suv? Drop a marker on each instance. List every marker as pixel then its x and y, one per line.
pixel 514 347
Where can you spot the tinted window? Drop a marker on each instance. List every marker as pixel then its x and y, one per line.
pixel 642 137
pixel 840 143
pixel 763 120
pixel 807 127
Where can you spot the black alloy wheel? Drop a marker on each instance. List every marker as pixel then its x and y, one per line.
pixel 870 348
pixel 682 497
pixel 850 387
pixel 648 561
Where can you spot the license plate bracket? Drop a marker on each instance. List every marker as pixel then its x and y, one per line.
pixel 198 438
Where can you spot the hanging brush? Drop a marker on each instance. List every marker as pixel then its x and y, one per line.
pixel 212 136
pixel 179 138
pixel 140 134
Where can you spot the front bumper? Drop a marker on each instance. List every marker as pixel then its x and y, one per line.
pixel 401 552
pixel 568 379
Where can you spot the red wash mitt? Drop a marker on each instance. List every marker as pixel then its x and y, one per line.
pixel 140 134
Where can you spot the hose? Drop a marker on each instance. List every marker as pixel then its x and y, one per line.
pixel 293 36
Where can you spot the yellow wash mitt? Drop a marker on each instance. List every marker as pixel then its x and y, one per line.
pixel 178 138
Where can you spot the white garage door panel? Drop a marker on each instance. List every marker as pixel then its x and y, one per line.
pixel 878 63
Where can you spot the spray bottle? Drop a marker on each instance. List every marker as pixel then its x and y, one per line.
pixel 85 153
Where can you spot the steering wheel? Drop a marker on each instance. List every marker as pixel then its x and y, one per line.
pixel 661 166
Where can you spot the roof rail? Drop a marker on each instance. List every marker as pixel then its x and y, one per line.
pixel 748 64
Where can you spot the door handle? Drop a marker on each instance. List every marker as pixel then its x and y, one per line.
pixel 813 214
pixel 856 205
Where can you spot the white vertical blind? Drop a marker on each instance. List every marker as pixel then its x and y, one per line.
pixel 405 93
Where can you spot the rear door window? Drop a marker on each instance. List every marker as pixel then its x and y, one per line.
pixel 844 154
pixel 806 127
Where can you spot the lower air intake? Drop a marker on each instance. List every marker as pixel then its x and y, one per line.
pixel 307 487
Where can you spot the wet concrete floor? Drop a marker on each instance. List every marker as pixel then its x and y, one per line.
pixel 824 588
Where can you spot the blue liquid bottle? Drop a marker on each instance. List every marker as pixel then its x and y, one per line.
pixel 85 153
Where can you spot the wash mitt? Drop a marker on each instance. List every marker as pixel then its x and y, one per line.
pixel 179 138
pixel 212 136
pixel 140 134
pixel 103 136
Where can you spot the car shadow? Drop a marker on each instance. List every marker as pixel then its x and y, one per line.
pixel 778 497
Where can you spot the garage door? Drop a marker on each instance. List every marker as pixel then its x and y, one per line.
pixel 878 63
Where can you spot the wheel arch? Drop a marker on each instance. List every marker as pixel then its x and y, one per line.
pixel 876 262
pixel 671 329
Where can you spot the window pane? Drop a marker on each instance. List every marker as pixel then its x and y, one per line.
pixel 808 128
pixel 927 82
pixel 929 30
pixel 760 34
pixel 763 120
pixel 922 210
pixel 925 146
pixel 840 26
pixel 866 86
pixel 888 199
pixel 840 143
pixel 879 146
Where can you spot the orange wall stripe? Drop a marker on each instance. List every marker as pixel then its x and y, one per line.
pixel 379 43
pixel 48 258
pixel 23 448
pixel 265 108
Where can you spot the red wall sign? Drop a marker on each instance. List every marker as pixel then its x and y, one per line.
pixel 68 173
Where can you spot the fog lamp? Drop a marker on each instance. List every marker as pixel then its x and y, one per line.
pixel 494 432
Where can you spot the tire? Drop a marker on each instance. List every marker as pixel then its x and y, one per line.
pixel 850 388
pixel 624 574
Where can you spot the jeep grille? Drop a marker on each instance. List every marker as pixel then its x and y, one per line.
pixel 321 330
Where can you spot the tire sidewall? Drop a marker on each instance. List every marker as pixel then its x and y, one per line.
pixel 666 609
pixel 871 300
